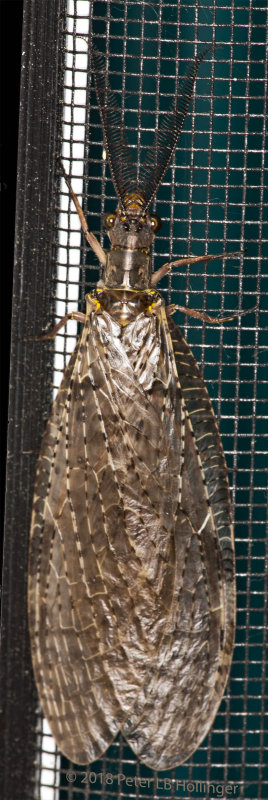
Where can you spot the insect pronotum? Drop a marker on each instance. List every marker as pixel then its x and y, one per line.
pixel 131 566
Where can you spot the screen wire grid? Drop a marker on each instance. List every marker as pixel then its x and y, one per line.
pixel 212 199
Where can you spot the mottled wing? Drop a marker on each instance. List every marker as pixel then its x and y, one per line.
pixel 178 702
pixel 101 565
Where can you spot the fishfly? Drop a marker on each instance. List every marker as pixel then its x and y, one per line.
pixel 131 565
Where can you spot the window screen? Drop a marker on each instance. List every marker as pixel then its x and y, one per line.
pixel 213 199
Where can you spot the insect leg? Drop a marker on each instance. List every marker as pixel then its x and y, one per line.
pixel 166 268
pixel 91 239
pixel 78 315
pixel 191 312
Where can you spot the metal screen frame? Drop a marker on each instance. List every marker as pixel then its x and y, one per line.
pixel 205 215
pixel 30 374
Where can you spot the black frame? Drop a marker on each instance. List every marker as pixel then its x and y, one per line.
pixel 41 86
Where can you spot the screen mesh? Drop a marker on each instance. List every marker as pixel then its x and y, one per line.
pixel 213 199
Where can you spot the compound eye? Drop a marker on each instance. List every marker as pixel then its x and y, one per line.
pixel 110 220
pixel 156 223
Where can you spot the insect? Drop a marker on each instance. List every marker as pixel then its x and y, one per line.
pixel 131 566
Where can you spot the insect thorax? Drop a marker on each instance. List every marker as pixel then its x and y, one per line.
pixel 128 269
pixel 124 305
